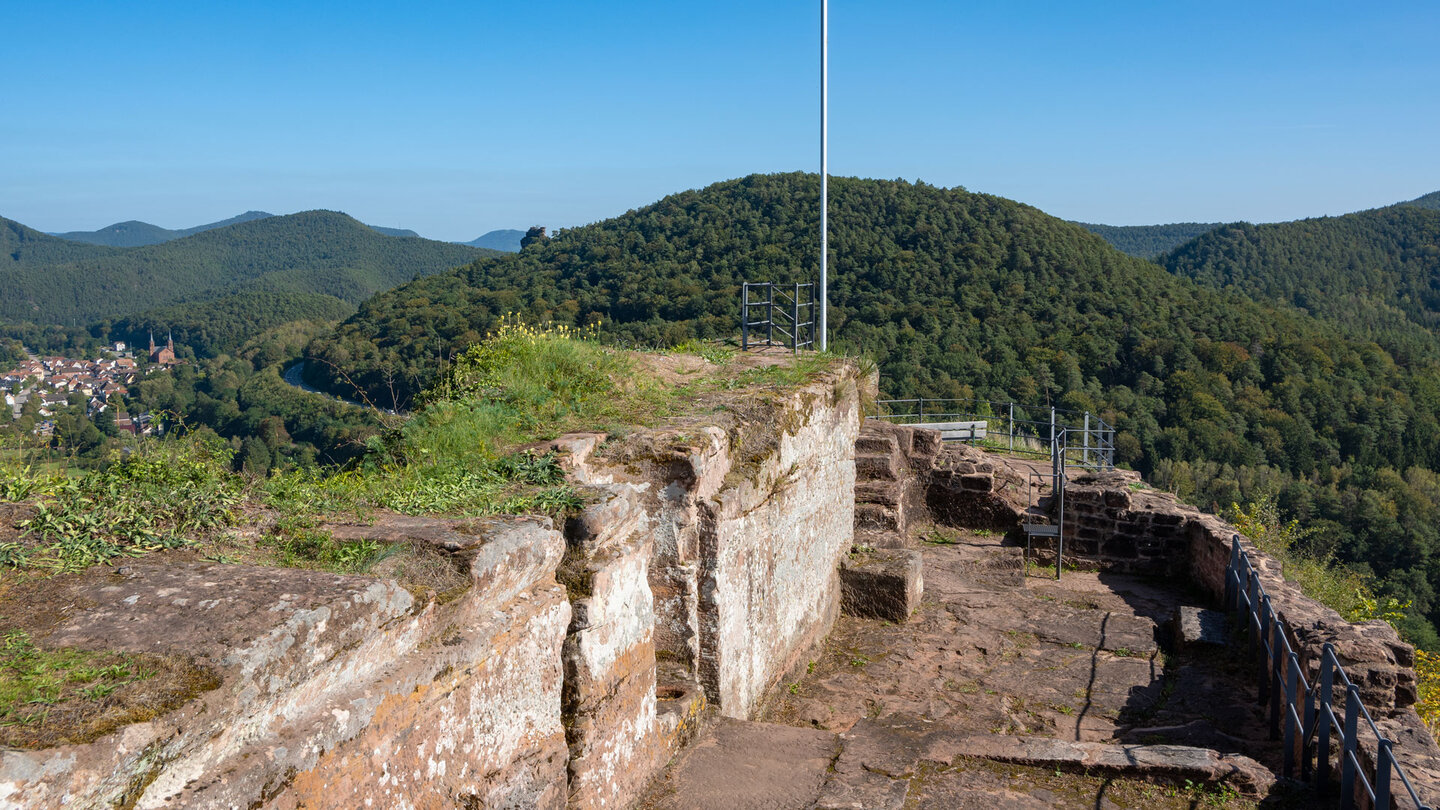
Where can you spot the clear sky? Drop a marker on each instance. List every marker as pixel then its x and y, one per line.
pixel 457 118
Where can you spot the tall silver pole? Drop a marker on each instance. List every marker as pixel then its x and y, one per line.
pixel 824 172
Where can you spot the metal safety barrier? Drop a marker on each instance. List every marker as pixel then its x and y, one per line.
pixel 767 308
pixel 1312 718
pixel 1015 427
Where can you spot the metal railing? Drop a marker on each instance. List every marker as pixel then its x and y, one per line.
pixel 767 308
pixel 1035 486
pixel 1016 426
pixel 1308 716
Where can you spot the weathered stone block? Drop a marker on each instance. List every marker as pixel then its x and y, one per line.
pixel 609 696
pixel 883 584
pixel 876 517
pixel 887 493
pixel 979 482
pixel 335 691
pixel 876 467
pixel 1194 625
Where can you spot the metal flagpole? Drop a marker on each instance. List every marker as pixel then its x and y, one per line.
pixel 824 171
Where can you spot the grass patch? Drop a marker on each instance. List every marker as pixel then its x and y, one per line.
pixel 70 696
pixel 164 494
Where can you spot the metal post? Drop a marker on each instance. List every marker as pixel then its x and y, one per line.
pixel 1277 664
pixel 770 315
pixel 1263 651
pixel 1059 490
pixel 1292 687
pixel 824 170
pixel 1348 762
pixel 795 320
pixel 1307 730
pixel 1232 575
pixel 1012 427
pixel 1252 602
pixel 745 316
pixel 1326 718
pixel 1384 761
pixel 1085 453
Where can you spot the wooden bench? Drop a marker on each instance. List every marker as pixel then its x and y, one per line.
pixel 958 431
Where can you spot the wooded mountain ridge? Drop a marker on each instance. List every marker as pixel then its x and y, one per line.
pixel 955 294
pixel 48 280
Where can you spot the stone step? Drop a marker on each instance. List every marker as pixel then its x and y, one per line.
pixel 875 516
pixel 887 493
pixel 738 764
pixel 871 467
pixel 882 584
pixel 872 538
pixel 873 442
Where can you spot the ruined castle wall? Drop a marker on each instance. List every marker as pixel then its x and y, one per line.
pixel 336 691
pixel 769 550
pixel 750 513
pixel 609 654
pixel 1115 522
pixel 571 670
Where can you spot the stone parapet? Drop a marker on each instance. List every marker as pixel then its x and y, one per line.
pixel 335 691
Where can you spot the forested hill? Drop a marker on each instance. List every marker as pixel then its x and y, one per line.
pixel 22 248
pixel 1149 241
pixel 134 233
pixel 1376 274
pixel 1431 200
pixel 956 294
pixel 48 280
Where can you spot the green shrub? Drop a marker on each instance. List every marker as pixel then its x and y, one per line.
pixel 164 494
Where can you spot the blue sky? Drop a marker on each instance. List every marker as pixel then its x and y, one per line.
pixel 457 118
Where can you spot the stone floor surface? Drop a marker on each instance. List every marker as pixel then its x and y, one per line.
pixel 1007 688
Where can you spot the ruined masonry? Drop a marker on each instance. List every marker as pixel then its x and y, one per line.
pixel 584 658
pixel 579 660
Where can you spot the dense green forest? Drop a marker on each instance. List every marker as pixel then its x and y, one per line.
pixel 1376 274
pixel 134 233
pixel 47 280
pixel 1431 200
pixel 225 324
pixel 1149 241
pixel 959 294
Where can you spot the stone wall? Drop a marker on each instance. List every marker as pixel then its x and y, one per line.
pixel 750 511
pixel 335 691
pixel 576 663
pixel 1114 521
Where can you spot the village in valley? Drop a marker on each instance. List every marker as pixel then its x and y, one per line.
pixel 42 387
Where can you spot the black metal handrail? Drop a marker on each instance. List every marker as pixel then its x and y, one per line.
pixel 1307 715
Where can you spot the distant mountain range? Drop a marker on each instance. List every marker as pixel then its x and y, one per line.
pixel 507 240
pixel 134 233
pixel 45 279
